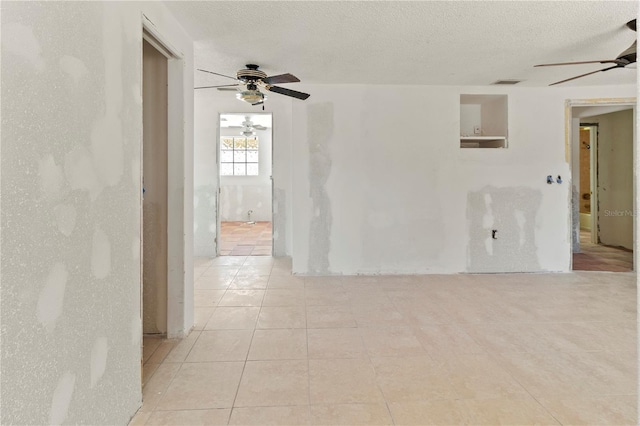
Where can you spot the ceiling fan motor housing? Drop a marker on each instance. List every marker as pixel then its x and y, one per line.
pixel 251 74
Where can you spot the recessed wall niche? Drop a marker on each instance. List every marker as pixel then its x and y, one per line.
pixel 483 121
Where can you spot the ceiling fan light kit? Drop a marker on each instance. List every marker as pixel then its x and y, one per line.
pixel 626 59
pixel 252 97
pixel 253 79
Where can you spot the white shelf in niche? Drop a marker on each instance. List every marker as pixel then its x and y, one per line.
pixel 482 138
pixel 483 142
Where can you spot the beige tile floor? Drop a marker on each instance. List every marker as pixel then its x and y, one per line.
pixel 516 349
pixel 245 239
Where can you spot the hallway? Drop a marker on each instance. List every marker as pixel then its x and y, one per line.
pixel 598 257
pixel 272 348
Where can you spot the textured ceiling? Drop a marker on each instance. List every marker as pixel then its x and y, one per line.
pixel 399 42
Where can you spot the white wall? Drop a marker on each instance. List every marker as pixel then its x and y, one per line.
pixel 370 200
pixel 239 194
pixel 615 177
pixel 486 112
pixel 71 143
pixel 470 117
pixel 208 105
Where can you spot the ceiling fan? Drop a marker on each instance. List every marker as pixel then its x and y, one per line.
pixel 624 59
pixel 248 127
pixel 253 79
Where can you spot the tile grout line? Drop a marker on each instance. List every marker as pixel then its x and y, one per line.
pixel 246 360
pixel 514 378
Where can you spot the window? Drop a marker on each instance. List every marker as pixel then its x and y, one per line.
pixel 239 156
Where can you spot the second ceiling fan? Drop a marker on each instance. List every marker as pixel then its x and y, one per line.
pixel 253 79
pixel 624 59
pixel 248 127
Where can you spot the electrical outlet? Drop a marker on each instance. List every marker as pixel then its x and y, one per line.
pixel 476 130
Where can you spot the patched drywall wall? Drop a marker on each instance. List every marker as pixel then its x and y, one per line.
pixel 319 132
pixel 239 194
pixel 209 104
pixel 575 220
pixel 240 203
pixel 279 222
pixel 381 185
pixel 206 179
pixel 615 177
pixel 502 229
pixel 70 174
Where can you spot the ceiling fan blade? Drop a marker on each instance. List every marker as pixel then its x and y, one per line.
pixel 282 78
pixel 228 89
pixel 629 56
pixel 288 92
pixel 258 103
pixel 215 73
pixel 607 61
pixel 259 127
pixel 583 75
pixel 211 87
pixel 632 24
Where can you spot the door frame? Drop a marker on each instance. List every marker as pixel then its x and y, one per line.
pixel 217 239
pixel 572 139
pixel 177 301
pixel 593 178
pixel 218 186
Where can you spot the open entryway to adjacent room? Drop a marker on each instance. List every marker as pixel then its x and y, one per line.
pixel 602 173
pixel 245 193
pixel 155 206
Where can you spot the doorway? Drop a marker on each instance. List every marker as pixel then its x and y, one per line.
pixel 602 175
pixel 154 190
pixel 245 195
pixel 167 306
pixel 166 287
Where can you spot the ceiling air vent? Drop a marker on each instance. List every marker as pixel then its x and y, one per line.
pixel 507 82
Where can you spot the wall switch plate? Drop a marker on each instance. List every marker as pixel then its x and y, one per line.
pixel 476 130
